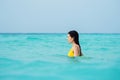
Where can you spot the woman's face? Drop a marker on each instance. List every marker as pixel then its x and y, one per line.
pixel 70 39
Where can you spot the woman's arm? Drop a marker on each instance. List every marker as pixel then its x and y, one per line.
pixel 76 50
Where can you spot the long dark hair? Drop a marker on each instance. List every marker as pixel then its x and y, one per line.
pixel 75 35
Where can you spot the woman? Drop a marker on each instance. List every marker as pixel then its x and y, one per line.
pixel 73 38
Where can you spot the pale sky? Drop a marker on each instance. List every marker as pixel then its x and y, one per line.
pixel 51 16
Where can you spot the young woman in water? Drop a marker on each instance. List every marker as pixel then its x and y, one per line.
pixel 73 38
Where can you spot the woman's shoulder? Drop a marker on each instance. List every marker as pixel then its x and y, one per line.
pixel 76 47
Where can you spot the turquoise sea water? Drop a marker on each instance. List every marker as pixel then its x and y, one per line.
pixel 44 57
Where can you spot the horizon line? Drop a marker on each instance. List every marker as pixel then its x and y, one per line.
pixel 50 33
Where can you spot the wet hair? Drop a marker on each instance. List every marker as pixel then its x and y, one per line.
pixel 75 35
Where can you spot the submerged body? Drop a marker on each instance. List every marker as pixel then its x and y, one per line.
pixel 73 38
pixel 71 53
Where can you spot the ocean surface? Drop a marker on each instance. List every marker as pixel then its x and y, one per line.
pixel 43 56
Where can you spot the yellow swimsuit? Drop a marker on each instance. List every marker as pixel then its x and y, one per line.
pixel 71 53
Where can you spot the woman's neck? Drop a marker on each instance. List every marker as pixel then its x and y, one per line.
pixel 73 43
